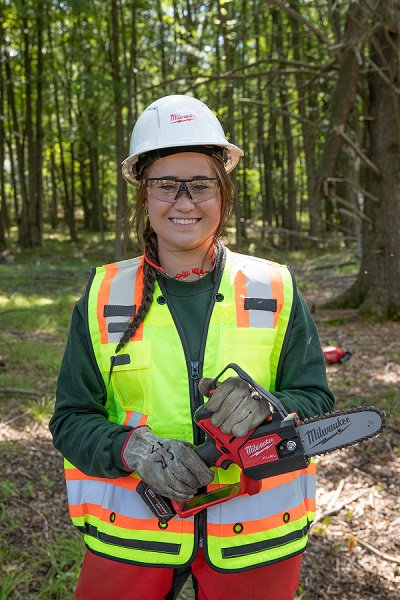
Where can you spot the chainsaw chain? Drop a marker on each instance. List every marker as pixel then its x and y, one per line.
pixel 348 411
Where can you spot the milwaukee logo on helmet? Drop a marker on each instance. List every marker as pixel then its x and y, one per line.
pixel 181 117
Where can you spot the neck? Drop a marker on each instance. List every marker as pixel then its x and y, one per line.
pixel 188 265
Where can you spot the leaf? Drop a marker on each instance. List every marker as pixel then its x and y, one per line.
pixel 351 543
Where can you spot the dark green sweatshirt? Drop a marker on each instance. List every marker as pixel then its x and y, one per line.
pixel 80 429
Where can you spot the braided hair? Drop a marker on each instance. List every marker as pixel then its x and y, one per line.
pixel 149 278
pixel 147 239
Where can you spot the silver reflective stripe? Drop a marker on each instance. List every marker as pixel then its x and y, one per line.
pixel 112 497
pixel 134 419
pixel 82 491
pixel 258 283
pixel 264 504
pixel 122 292
pixel 308 484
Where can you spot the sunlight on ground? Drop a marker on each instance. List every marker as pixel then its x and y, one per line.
pixel 10 434
pixel 22 301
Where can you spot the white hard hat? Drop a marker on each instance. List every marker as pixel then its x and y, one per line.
pixel 177 122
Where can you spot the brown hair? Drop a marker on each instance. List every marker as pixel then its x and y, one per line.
pixel 147 239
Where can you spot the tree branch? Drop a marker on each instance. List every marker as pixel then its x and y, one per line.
pixel 383 555
pixel 358 151
pixel 10 390
pixel 352 208
pixel 300 19
pixel 356 185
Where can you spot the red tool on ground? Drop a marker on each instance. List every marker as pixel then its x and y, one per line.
pixel 333 354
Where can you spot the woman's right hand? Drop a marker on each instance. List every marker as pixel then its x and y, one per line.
pixel 169 467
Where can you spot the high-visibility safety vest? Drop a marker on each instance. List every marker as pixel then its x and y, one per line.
pixel 154 382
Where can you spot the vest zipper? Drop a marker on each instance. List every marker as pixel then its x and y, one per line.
pixel 195 368
pixel 195 375
pixel 199 437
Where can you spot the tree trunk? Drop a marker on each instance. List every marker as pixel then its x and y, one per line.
pixel 32 217
pixel 230 129
pixel 69 209
pixel 120 242
pixel 3 199
pixel 19 146
pixel 37 204
pixel 377 288
pixel 343 99
pixel 53 208
pixel 245 164
pixel 290 219
pixel 97 215
pixel 307 127
pixel 27 209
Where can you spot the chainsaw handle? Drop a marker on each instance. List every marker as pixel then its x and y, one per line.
pixel 277 404
pixel 208 451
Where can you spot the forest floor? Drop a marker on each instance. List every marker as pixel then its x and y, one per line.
pixel 354 546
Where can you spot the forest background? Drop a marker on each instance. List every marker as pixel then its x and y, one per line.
pixel 309 90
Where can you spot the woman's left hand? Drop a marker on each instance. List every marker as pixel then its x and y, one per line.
pixel 235 410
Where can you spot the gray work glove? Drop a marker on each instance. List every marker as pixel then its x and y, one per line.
pixel 170 467
pixel 235 409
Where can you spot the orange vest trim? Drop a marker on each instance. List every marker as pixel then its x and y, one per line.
pixel 266 524
pixel 103 298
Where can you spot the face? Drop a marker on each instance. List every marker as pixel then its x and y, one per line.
pixel 183 226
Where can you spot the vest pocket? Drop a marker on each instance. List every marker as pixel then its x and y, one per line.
pixel 250 346
pixel 131 375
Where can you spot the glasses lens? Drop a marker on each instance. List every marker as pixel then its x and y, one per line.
pixel 167 190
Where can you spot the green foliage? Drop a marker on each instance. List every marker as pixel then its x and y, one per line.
pixel 238 57
pixel 40 410
pixel 48 569
pixel 8 489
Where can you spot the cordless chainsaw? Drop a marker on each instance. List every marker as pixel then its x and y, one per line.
pixel 279 445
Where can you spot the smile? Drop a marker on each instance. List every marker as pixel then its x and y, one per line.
pixel 185 221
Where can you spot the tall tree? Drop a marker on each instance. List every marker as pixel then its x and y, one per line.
pixel 343 99
pixel 31 221
pixel 121 212
pixel 377 288
pixel 3 201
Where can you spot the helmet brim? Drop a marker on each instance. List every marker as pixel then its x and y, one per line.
pixel 234 153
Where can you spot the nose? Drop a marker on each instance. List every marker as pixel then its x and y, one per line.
pixel 183 201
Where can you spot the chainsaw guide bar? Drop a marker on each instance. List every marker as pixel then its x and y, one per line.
pixel 340 430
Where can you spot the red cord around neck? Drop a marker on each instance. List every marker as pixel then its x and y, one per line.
pixel 196 271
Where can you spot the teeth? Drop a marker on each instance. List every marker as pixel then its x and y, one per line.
pixel 184 221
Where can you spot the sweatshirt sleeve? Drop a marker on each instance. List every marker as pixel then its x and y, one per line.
pixel 79 425
pixel 302 385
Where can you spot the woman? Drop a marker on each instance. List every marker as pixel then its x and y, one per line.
pixel 143 343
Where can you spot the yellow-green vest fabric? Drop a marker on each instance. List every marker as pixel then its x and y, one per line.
pixel 151 383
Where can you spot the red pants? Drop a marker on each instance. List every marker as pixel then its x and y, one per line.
pixel 103 579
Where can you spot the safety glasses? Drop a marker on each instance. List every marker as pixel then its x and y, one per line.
pixel 198 189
